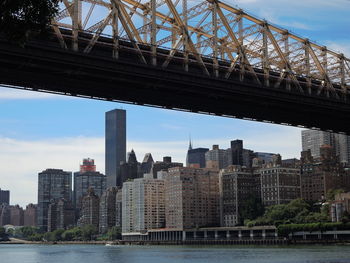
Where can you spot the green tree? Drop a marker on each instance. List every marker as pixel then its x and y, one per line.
pixel 89 232
pixel 36 237
pixel 26 231
pixel 330 196
pixel 252 208
pixel 72 234
pixel 114 233
pixel 3 235
pixel 49 236
pixel 21 19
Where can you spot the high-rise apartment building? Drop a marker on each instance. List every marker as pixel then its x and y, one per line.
pixel 90 209
pixel 52 184
pixel 342 148
pixel 108 210
pixel 143 205
pixel 320 175
pixel 61 215
pixel 30 215
pixel 191 198
pixel 128 207
pixel 16 215
pixel 279 185
pixel 118 210
pixel 115 145
pixel 236 186
pixel 4 197
pixel 84 179
pixel 314 139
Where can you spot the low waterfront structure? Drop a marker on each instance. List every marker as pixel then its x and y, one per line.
pixel 204 234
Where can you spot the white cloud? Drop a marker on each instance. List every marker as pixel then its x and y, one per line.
pixel 21 160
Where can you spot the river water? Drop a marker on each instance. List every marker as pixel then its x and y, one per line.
pixel 172 254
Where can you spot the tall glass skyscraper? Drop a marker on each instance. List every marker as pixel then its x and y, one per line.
pixel 115 145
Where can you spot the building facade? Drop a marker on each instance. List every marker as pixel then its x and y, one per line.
pixel 115 145
pixel 236 186
pixel 84 179
pixel 4 197
pixel 279 185
pixel 131 169
pixel 30 215
pixel 16 215
pixel 90 209
pixel 217 158
pixel 320 175
pixel 237 152
pixel 61 215
pixel 128 207
pixel 143 205
pixel 196 157
pixel 5 214
pixel 52 184
pixel 119 207
pixel 191 198
pixel 108 210
pixel 164 165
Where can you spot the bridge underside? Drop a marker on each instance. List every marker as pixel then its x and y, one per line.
pixel 44 66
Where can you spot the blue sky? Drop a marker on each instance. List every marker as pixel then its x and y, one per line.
pixel 38 130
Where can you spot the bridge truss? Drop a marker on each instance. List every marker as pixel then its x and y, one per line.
pixel 220 39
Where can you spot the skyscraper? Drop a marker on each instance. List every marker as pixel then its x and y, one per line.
pixel 313 140
pixel 129 170
pixel 216 158
pixel 4 197
pixel 196 157
pixel 85 178
pixel 237 152
pixel 115 150
pixel 52 184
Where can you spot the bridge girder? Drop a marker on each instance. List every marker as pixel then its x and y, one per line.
pixel 209 29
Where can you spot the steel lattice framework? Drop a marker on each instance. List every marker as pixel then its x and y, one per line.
pixel 217 37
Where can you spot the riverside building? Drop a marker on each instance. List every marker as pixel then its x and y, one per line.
pixel 279 185
pixel 52 184
pixel 108 210
pixel 90 209
pixel 143 204
pixel 191 198
pixel 236 186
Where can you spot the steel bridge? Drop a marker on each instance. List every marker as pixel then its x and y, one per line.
pixel 206 57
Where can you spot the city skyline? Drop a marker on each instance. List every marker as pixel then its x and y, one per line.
pixel 39 131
